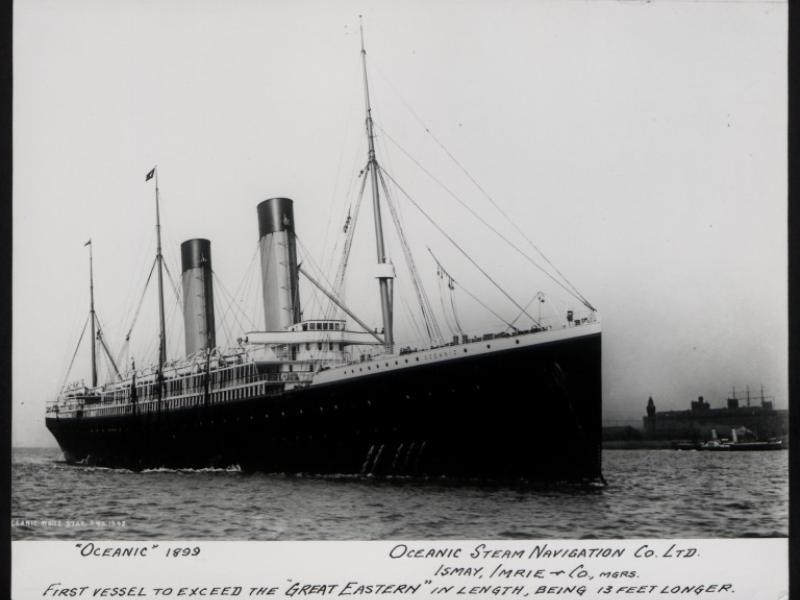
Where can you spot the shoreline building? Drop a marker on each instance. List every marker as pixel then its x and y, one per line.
pixel 760 422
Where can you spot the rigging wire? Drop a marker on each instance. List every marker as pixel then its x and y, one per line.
pixel 574 291
pixel 175 289
pixel 240 296
pixel 350 228
pixel 441 302
pixel 102 340
pixel 427 312
pixel 315 305
pixel 74 354
pixel 248 288
pixel 249 296
pixel 247 274
pixel 412 319
pixel 226 295
pixel 306 255
pixel 175 328
pixel 135 283
pixel 174 333
pixel 351 179
pixel 225 331
pixel 443 275
pixel 126 341
pixel 473 296
pixel 540 296
pixel 459 248
pixel 451 286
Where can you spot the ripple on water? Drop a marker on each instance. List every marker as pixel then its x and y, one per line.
pixel 650 494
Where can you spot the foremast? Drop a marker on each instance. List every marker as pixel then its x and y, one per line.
pixel 162 335
pixel 385 272
pixel 92 316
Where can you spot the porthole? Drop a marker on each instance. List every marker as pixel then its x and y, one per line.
pixel 516 341
pixel 465 350
pixel 488 345
pixel 418 359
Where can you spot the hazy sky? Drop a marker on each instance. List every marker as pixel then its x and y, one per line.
pixel 640 145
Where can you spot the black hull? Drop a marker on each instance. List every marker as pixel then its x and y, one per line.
pixel 526 413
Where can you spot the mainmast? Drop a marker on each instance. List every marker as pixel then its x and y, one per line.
pixel 91 315
pixel 162 336
pixel 386 272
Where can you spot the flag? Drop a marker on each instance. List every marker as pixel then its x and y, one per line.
pixel 88 243
pixel 150 174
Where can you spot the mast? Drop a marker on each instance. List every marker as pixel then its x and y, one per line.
pixel 385 274
pixel 162 336
pixel 92 316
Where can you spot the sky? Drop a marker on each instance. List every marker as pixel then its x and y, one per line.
pixel 640 145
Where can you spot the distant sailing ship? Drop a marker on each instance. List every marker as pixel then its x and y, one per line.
pixel 332 395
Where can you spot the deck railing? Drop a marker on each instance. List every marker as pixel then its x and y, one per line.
pixel 234 390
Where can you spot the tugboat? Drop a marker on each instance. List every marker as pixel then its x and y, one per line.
pixel 333 394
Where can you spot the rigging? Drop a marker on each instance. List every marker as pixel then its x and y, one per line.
pixel 463 169
pixel 571 290
pixel 457 246
pixel 470 294
pixel 431 326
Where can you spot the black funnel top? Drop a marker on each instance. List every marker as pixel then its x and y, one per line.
pixel 195 253
pixel 275 214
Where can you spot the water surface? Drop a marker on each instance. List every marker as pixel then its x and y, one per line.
pixel 650 493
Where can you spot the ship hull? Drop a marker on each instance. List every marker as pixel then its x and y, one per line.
pixel 527 413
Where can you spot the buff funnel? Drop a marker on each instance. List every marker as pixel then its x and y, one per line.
pixel 279 275
pixel 198 295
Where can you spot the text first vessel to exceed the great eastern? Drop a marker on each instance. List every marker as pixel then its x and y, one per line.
pixel 332 395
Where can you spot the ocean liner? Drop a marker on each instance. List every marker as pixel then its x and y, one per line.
pixel 332 395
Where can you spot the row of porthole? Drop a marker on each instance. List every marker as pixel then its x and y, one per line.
pixel 300 411
pixel 417 359
pixel 377 366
